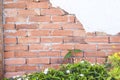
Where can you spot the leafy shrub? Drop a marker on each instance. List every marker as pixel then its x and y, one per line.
pixel 78 71
pixel 114 66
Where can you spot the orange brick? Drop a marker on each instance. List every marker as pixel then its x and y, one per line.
pixel 15 33
pixel 40 19
pixel 9 26
pixel 52 11
pixel 10 68
pixel 108 46
pixel 15 61
pixel 50 26
pixel 28 40
pixel 101 54
pixel 26 12
pixel 16 19
pixel 10 12
pixel 25 54
pixel 39 33
pixel 26 26
pixel 9 55
pixel 115 39
pixel 79 33
pixel 90 47
pixel 11 74
pixel 60 18
pixel 97 39
pixel 31 5
pixel 16 47
pixel 56 60
pixel 90 53
pixel 62 33
pixel 91 59
pixel 15 5
pixel 38 61
pixel 10 40
pixel 71 18
pixel 53 40
pixel 39 47
pixel 101 60
pixel 26 68
pixel 72 26
pixel 63 46
pixel 53 54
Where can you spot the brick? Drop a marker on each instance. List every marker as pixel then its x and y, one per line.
pixel 97 39
pixel 53 54
pixel 80 33
pixel 50 26
pixel 28 40
pixel 51 40
pixel 101 60
pixel 39 47
pixel 26 12
pixel 10 40
pixel 15 33
pixel 115 39
pixel 72 26
pixel 39 33
pixel 15 5
pixel 62 33
pixel 10 69
pixel 91 59
pixel 11 74
pixel 52 11
pixel 10 12
pixel 9 55
pixel 26 68
pixel 90 53
pixel 40 19
pixel 60 19
pixel 15 61
pixel 56 60
pixel 16 48
pixel 71 18
pixel 108 47
pixel 38 61
pixel 9 26
pixel 25 54
pixel 89 47
pixel 31 5
pixel 16 19
pixel 26 26
pixel 63 46
pixel 101 54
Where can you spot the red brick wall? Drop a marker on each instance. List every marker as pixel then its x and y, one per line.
pixel 37 35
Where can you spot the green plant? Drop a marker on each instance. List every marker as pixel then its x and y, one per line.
pixel 78 71
pixel 68 58
pixel 114 68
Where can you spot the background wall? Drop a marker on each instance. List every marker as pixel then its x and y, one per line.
pixel 38 35
pixel 95 15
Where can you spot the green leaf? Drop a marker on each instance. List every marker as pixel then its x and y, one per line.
pixel 77 50
pixel 68 55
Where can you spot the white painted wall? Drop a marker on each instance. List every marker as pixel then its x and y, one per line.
pixel 95 15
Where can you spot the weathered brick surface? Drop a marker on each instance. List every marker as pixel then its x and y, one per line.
pixel 1 42
pixel 37 36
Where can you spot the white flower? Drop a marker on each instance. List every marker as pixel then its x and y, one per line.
pixel 45 71
pixel 82 61
pixel 92 64
pixel 16 76
pixel 19 79
pixel 81 75
pixel 68 71
pixel 26 79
